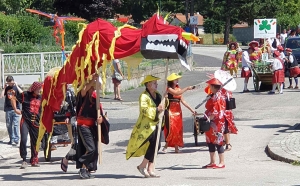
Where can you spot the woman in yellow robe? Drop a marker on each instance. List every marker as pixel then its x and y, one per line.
pixel 143 137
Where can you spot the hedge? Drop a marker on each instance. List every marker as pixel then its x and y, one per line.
pixel 27 33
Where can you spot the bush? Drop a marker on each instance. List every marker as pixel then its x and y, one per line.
pixel 32 29
pixel 9 28
pixel 214 26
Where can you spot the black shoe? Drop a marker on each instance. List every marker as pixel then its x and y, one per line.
pixel 9 143
pixel 83 173
pixel 90 175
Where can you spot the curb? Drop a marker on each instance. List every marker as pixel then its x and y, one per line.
pixel 275 150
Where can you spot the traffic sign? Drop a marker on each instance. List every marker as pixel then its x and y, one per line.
pixel 194 20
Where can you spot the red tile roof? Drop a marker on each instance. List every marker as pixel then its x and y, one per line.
pixel 241 25
pixel 181 17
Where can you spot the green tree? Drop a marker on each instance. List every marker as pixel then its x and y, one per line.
pixel 88 9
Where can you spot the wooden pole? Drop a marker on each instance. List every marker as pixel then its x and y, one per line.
pixel 161 114
pixel 98 125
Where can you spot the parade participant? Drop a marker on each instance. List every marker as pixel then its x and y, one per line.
pixel 215 109
pixel 278 73
pixel 293 67
pixel 68 114
pixel 11 118
pixel 246 71
pixel 230 60
pixel 283 60
pixel 230 127
pixel 143 137
pixel 87 151
pixel 173 128
pixel 31 110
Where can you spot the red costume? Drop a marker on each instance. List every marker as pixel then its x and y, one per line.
pixel 173 129
pixel 228 113
pixel 216 106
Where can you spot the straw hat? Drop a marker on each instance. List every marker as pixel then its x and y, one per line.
pixel 149 78
pixel 213 81
pixel 173 77
pixel 253 44
pixel 234 44
pixel 53 71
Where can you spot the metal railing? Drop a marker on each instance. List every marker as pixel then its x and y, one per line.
pixel 23 64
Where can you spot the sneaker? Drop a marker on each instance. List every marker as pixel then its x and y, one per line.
pixel 65 137
pixel 24 165
pixel 90 175
pixel 54 139
pixel 83 173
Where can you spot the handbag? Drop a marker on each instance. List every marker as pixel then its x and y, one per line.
pixel 204 124
pixel 230 103
pixel 118 76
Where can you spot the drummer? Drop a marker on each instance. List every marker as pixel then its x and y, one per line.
pixel 278 73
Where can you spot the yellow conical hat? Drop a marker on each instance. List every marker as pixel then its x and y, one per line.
pixel 149 78
pixel 173 76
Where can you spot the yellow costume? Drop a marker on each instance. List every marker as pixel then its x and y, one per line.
pixel 144 127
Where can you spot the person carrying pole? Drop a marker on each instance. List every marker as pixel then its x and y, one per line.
pixel 143 137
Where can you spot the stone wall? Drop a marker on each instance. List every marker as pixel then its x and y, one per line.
pixel 159 71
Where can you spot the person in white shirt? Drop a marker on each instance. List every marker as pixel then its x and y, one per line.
pixel 293 68
pixel 284 59
pixel 246 64
pixel 283 36
pixel 278 73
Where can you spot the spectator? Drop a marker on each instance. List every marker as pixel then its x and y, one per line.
pixel 117 77
pixel 12 119
pixel 283 36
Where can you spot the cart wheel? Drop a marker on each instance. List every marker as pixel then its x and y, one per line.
pixel 47 159
pixel 196 135
pixel 256 83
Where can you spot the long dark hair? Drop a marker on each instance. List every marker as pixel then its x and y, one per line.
pixel 170 84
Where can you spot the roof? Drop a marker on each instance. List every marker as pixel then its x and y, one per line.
pixel 241 25
pixel 181 17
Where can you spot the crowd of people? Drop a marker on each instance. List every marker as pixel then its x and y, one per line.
pixel 284 62
pixel 80 113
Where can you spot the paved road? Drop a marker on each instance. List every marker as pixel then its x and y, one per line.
pixel 259 117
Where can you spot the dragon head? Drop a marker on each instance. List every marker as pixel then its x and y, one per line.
pixel 160 40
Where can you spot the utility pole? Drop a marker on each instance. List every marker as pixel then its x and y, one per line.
pixel 192 14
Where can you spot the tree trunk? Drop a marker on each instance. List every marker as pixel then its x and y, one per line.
pixel 227 30
pixel 187 11
pixel 227 23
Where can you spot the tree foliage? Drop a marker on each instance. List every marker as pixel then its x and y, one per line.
pixel 88 9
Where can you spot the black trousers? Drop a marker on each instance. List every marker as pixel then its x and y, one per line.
pixel 151 149
pixel 71 155
pixel 87 150
pixel 33 131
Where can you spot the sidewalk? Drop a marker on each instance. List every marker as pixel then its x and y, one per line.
pixel 286 146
